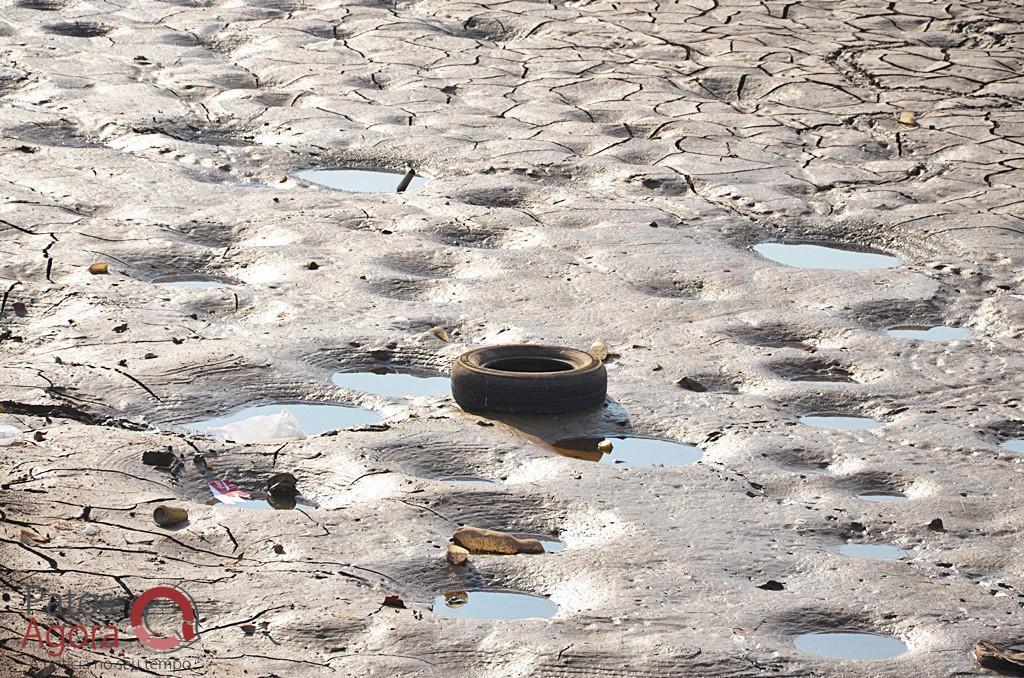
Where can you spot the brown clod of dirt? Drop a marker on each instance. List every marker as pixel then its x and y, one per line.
pixel 480 540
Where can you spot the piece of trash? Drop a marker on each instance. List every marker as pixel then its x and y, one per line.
pixel 165 516
pixel 9 435
pixel 282 485
pixel 99 268
pixel 440 333
pixel 605 446
pixel 599 349
pixel 456 555
pixel 936 525
pixel 28 537
pixel 226 492
pixel 395 602
pixel 161 458
pixel 261 428
pixel 480 540
pixel 907 117
pixel 772 585
pixel 406 180
pixel 691 385
pixel 999 658
pixel 248 629
pixel 20 309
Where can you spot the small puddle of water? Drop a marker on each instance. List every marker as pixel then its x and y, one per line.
pixel 313 419
pixel 872 551
pixel 386 382
pixel 1013 445
pixel 926 333
pixel 837 422
pixel 834 256
pixel 264 504
pixel 850 645
pixel 197 281
pixel 880 497
pixel 358 181
pixel 631 452
pixel 493 605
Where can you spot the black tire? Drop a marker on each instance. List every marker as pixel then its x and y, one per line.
pixel 528 379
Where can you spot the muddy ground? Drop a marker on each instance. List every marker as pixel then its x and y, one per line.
pixel 598 169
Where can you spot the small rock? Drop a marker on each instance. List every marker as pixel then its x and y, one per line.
pixel 936 525
pixel 394 601
pixel 99 268
pixel 599 349
pixel 772 585
pixel 691 385
pixel 278 549
pixel 480 540
pixel 312 266
pixel 123 327
pixel 282 485
pixel 907 118
pixel 604 447
pixel 456 555
pixel 161 458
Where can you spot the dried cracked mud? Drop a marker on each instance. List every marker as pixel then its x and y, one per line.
pixel 595 169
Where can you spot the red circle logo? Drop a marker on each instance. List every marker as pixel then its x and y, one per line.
pixel 188 619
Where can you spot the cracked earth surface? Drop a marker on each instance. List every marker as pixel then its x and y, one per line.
pixel 598 169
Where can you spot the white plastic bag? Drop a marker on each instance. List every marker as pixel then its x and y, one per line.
pixel 260 429
pixel 8 435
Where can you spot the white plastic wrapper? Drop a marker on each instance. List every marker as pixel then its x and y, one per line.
pixel 260 429
pixel 9 435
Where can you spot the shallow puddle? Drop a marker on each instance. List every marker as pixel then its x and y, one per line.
pixel 834 256
pixel 872 551
pixel 387 382
pixel 358 181
pixel 630 451
pixel 837 422
pixel 274 422
pixel 880 497
pixel 929 333
pixel 850 645
pixel 269 504
pixel 493 605
pixel 197 281
pixel 1013 445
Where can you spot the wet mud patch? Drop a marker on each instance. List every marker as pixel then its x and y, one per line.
pixel 493 604
pixel 828 255
pixel 888 313
pixel 630 451
pixel 813 370
pixel 488 28
pixel 78 29
pixel 505 511
pixel 425 264
pixel 1008 435
pixel 778 336
pixel 197 281
pixel 356 180
pixel 874 487
pixel 42 5
pixel 416 289
pixel 479 236
pixel 802 460
pixel 671 285
pixel 376 355
pixel 57 133
pixel 208 134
